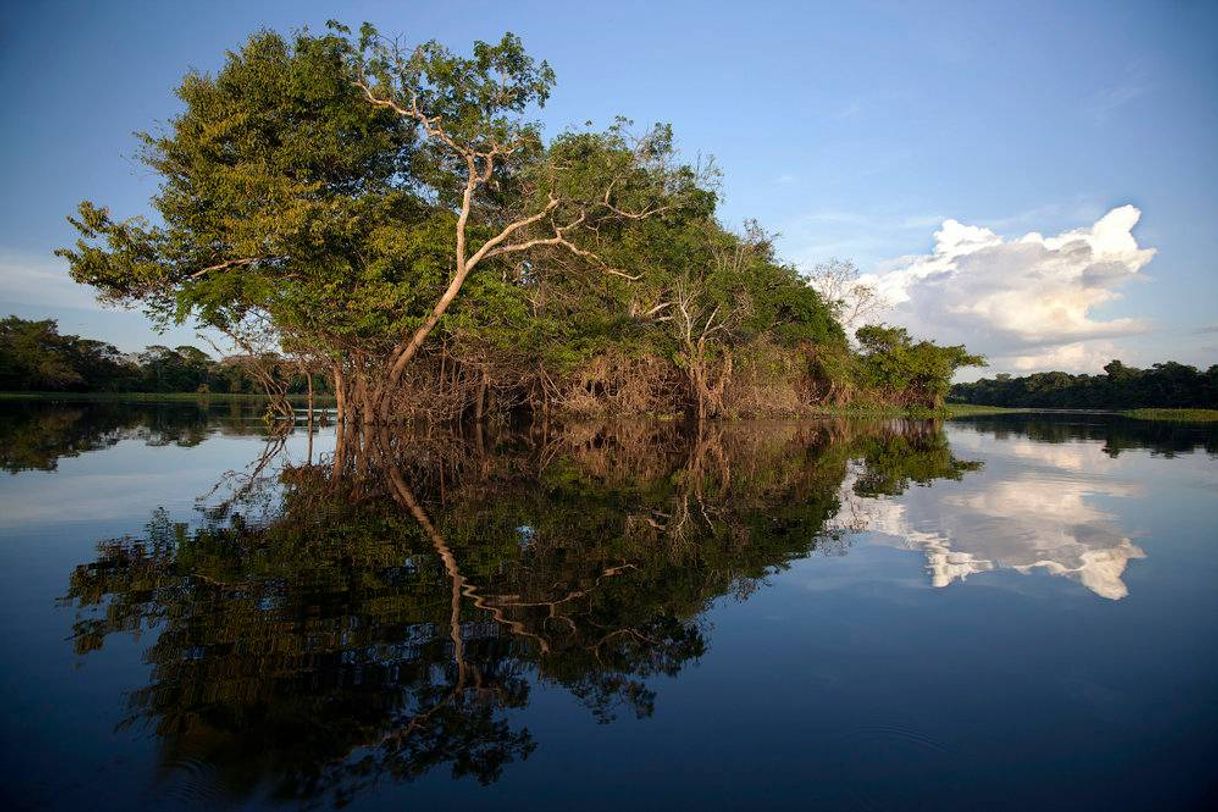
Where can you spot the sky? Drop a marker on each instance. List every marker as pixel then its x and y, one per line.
pixel 1036 180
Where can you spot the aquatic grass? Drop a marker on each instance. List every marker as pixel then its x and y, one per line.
pixel 1174 415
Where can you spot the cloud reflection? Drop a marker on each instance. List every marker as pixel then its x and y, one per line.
pixel 1034 507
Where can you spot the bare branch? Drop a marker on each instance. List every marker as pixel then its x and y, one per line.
pixel 489 248
pixel 630 215
pixel 229 263
pixel 433 125
pixel 560 239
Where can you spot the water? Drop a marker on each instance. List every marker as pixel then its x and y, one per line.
pixel 1004 612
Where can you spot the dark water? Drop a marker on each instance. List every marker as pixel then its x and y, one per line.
pixel 1016 612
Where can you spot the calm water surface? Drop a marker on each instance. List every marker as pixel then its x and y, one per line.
pixel 1006 612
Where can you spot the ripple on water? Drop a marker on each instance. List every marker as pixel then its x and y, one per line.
pixel 192 782
pixel 878 759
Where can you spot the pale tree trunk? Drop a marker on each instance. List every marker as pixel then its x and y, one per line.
pixel 479 170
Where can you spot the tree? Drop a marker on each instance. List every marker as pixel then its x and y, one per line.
pixel 491 164
pixel 907 372
pixel 1165 385
pixel 853 301
pixel 33 356
pixel 392 215
pixel 279 180
pixel 311 187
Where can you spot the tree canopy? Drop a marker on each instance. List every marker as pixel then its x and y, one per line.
pixel 1167 384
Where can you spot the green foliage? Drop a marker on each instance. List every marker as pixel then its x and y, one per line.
pixel 327 196
pixel 34 357
pixel 1175 415
pixel 1165 385
pixel 912 373
pixel 276 179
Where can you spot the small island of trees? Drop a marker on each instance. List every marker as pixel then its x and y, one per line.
pixel 390 217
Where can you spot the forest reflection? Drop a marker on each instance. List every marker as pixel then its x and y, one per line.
pixel 35 435
pixel 391 607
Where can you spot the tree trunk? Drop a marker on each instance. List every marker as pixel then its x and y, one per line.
pixel 480 402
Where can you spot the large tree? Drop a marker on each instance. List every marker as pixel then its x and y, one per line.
pixel 394 215
pixel 334 194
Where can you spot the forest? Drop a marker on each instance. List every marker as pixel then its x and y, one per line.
pixel 392 218
pixel 36 357
pixel 1165 385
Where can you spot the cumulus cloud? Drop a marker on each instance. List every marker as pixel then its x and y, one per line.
pixel 1027 303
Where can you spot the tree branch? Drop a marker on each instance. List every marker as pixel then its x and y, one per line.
pixel 489 249
pixel 228 263
pixel 560 238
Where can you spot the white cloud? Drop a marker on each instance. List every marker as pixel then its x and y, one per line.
pixel 1027 303
pixel 32 279
pixel 849 111
pixel 1108 100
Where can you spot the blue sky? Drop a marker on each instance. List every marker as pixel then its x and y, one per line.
pixel 854 129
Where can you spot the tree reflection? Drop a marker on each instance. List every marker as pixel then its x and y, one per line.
pixel 399 602
pixel 1116 432
pixel 35 435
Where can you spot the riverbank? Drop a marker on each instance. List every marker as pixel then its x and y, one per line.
pixel 1175 415
pixel 160 397
pixel 1162 415
pixel 950 411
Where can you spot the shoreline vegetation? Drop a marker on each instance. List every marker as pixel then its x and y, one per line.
pixel 953 410
pixel 327 401
pixel 1167 391
pixel 1174 415
pixel 1166 385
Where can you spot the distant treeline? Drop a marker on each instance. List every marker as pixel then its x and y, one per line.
pixel 35 357
pixel 1166 385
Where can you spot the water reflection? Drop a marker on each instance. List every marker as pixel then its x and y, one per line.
pixel 383 624
pixel 1113 433
pixel 1043 503
pixel 1022 524
pixel 389 614
pixel 34 436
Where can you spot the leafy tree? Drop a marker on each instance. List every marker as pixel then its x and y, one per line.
pixel 34 356
pixel 911 373
pixel 394 216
